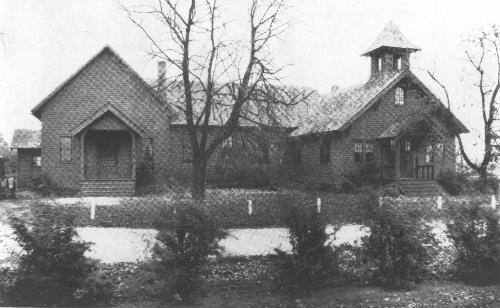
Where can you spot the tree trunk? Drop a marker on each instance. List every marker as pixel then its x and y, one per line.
pixel 199 180
pixel 483 179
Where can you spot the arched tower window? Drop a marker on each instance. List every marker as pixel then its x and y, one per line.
pixel 399 96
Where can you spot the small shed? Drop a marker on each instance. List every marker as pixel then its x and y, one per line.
pixel 29 157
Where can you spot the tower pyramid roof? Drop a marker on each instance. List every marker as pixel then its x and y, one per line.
pixel 391 37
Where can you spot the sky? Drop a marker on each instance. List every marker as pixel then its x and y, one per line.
pixel 46 41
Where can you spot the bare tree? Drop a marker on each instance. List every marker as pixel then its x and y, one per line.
pixel 483 56
pixel 217 75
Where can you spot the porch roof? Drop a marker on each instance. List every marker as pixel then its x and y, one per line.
pixel 432 115
pixel 113 110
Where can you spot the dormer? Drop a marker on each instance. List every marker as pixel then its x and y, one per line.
pixel 390 51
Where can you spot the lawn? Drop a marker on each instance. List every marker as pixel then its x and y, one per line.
pixel 247 281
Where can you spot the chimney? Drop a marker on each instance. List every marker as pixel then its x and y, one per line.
pixel 161 78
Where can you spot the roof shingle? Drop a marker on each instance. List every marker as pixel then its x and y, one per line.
pixel 26 139
pixel 391 37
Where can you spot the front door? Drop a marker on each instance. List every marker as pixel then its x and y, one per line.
pixel 408 159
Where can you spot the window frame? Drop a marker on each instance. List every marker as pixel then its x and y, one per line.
pixel 186 149
pixel 358 152
pixel 361 153
pixel 399 96
pixel 325 148
pixel 70 156
pixel 144 145
pixel 226 145
pixel 372 151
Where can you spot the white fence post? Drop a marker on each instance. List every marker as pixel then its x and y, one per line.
pixel 493 203
pixel 439 202
pixel 92 211
pixel 250 207
pixel 318 205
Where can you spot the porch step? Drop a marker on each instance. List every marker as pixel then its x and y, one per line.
pixel 419 187
pixel 111 188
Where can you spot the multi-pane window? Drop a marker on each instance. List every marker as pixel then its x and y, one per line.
pixel 147 149
pixel 187 152
pixel 363 152
pixel 227 145
pixel 324 151
pixel 399 96
pixel 65 148
pixel 358 152
pixel 369 155
pixel 407 146
pixel 439 151
pixel 428 154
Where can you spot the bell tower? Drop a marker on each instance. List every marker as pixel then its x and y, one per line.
pixel 390 51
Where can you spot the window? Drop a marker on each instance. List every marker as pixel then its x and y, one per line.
pixel 407 146
pixel 37 161
pixel 397 63
pixel 65 148
pixel 379 64
pixel 428 154
pixel 399 97
pixel 369 155
pixel 147 149
pixel 265 153
pixel 187 153
pixel 439 151
pixel 324 151
pixel 226 147
pixel 358 152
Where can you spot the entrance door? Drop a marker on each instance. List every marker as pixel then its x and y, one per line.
pixel 408 159
pixel 107 152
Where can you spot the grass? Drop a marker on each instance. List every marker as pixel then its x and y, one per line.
pixel 447 294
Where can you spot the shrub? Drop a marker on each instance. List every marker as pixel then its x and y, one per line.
pixel 490 187
pixel 475 234
pixel 453 183
pixel 183 250
pixel 361 175
pixel 53 269
pixel 312 260
pixel 45 187
pixel 144 173
pixel 399 247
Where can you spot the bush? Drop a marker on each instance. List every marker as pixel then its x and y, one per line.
pixel 53 269
pixel 399 247
pixel 183 250
pixel 453 182
pixel 45 187
pixel 312 260
pixel 490 187
pixel 361 175
pixel 475 234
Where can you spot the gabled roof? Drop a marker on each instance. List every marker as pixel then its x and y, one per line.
pixel 339 110
pixel 103 110
pixel 36 111
pixel 26 139
pixel 391 37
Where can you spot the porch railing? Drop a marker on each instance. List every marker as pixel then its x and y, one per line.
pixel 425 172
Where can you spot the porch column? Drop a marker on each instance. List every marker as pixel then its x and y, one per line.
pixel 82 155
pixel 134 153
pixel 397 162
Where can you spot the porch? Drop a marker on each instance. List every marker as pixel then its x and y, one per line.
pixel 414 149
pixel 108 163
pixel 108 143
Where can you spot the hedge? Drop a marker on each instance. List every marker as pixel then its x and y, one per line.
pixel 230 207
